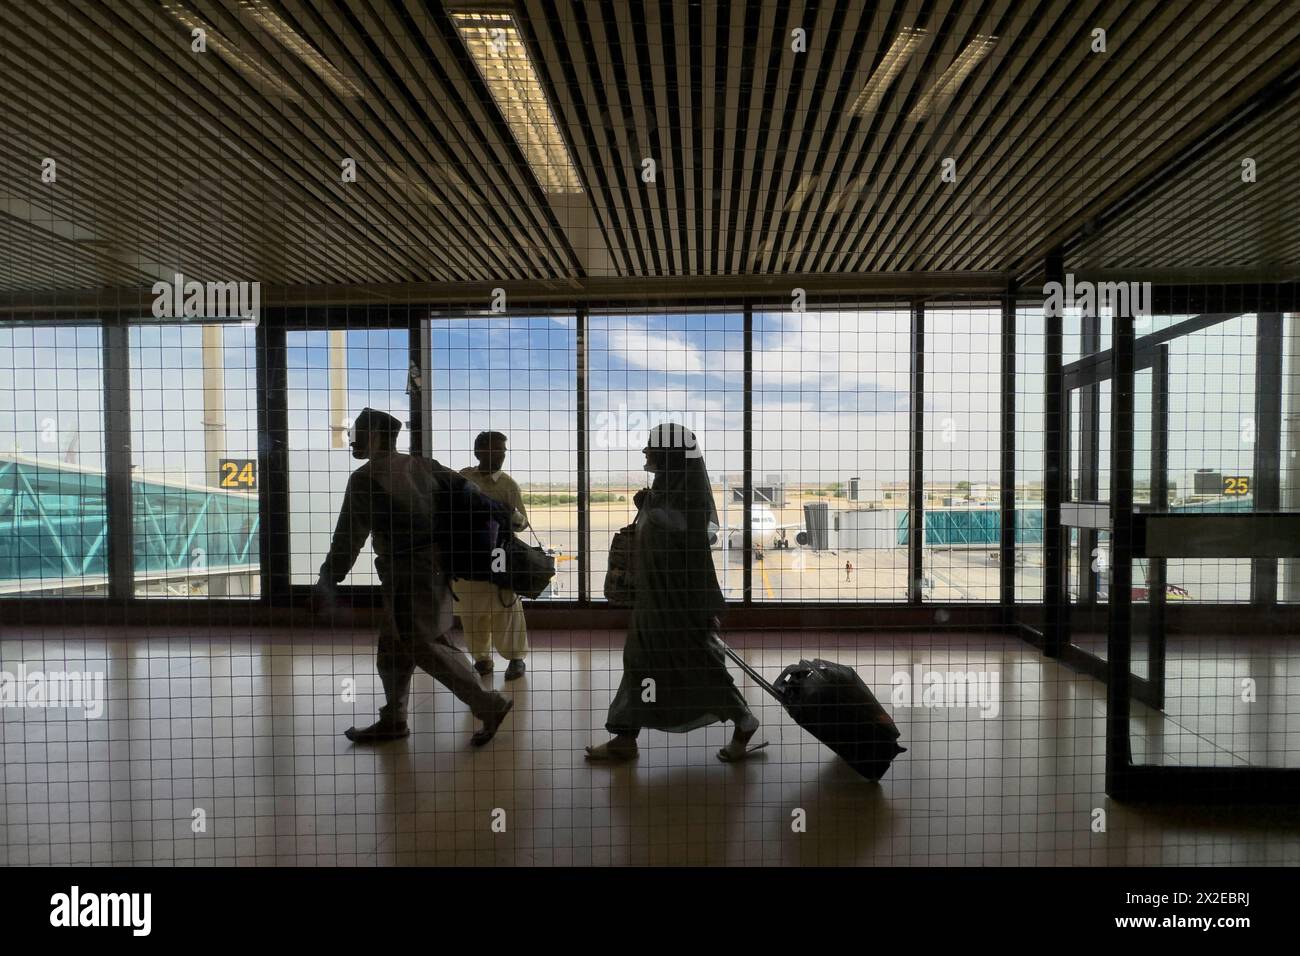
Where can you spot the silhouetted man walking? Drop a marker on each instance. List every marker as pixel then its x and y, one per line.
pixel 394 499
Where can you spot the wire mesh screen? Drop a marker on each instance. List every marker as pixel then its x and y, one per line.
pixel 539 433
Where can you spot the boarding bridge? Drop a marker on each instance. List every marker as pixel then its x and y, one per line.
pixel 187 537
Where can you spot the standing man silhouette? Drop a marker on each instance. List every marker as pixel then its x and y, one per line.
pixel 394 498
pixel 489 614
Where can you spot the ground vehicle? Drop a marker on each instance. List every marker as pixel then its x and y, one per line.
pixel 1141 580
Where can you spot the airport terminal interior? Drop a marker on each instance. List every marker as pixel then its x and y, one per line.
pixel 980 317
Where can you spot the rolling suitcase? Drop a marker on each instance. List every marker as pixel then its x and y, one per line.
pixel 832 703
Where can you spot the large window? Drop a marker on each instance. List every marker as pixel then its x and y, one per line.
pixel 963 357
pixel 53 520
pixel 332 376
pixel 831 432
pixel 1212 432
pixel 665 367
pixel 517 376
pixel 194 460
pixel 1030 385
pixel 831 407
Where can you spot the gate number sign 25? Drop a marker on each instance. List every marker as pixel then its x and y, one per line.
pixel 240 473
pixel 1236 485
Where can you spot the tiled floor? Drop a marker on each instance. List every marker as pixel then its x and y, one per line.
pixel 248 731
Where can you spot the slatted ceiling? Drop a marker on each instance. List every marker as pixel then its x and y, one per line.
pixel 954 212
pixel 136 74
pixel 660 32
pixel 771 189
pixel 1210 246
pixel 508 163
pixel 765 61
pixel 28 254
pixel 423 164
pixel 831 183
pixel 844 187
pixel 893 119
pixel 710 213
pixel 1209 219
pixel 623 134
pixel 648 89
pixel 887 139
pixel 587 123
pixel 978 155
pixel 384 246
pixel 1013 83
pixel 641 138
pixel 1048 158
pixel 410 110
pixel 763 165
pixel 1241 69
pixel 954 131
pixel 810 115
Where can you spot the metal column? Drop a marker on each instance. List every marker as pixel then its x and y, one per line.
pixel 273 463
pixel 1054 592
pixel 916 458
pixel 117 459
pixel 1007 471
pixel 1267 480
pixel 747 529
pixel 1120 632
pixel 584 479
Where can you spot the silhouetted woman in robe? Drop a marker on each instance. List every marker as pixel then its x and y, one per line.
pixel 674 671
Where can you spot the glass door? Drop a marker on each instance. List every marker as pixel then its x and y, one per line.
pixel 1086 566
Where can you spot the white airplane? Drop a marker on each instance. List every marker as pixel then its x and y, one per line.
pixel 763 527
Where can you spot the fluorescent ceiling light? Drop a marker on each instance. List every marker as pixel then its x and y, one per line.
pixel 874 90
pixel 270 21
pixel 498 51
pixel 952 78
pixel 250 68
pixel 854 187
pixel 805 186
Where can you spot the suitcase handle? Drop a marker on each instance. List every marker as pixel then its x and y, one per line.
pixel 740 662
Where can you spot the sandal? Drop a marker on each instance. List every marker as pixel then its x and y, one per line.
pixel 741 737
pixel 604 752
pixel 726 756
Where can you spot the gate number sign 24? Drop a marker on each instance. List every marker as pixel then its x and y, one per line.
pixel 240 473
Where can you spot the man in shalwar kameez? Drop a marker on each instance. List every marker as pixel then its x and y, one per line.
pixel 393 499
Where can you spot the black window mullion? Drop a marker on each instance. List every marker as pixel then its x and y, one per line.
pixel 117 459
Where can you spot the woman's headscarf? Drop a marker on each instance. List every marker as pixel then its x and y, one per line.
pixel 683 482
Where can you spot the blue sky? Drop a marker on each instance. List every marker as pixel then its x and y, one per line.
pixel 831 391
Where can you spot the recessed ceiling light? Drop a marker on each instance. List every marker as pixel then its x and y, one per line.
pixel 952 78
pixel 498 51
pixel 896 57
pixel 271 22
pixel 800 194
pixel 250 68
